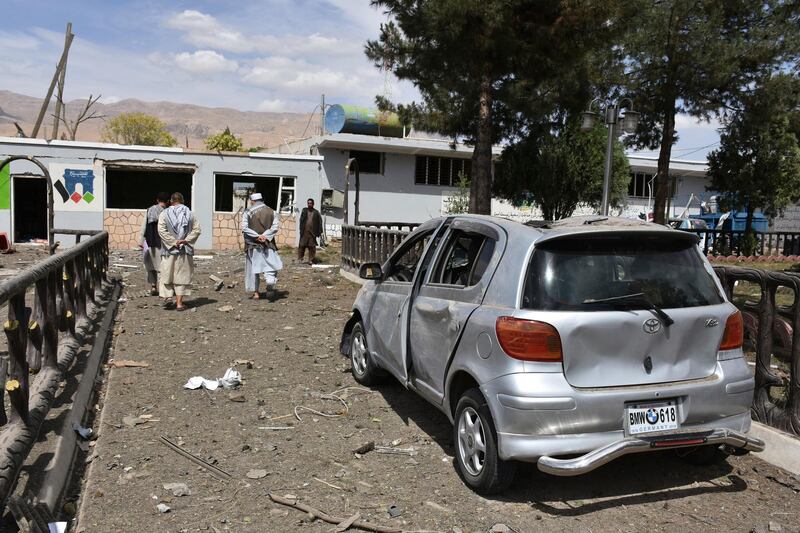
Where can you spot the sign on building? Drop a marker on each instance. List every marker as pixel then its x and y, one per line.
pixel 77 188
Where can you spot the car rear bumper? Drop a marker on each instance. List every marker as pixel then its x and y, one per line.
pixel 532 448
pixel 600 456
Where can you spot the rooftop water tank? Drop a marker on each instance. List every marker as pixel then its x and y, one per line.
pixel 362 120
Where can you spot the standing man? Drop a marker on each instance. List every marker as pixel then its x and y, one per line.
pixel 150 242
pixel 179 230
pixel 259 226
pixel 310 229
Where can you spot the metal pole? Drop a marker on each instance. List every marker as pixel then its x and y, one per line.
pixel 322 112
pixel 611 121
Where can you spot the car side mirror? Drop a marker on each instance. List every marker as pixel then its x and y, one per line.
pixel 371 271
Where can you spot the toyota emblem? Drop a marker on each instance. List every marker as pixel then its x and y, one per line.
pixel 652 326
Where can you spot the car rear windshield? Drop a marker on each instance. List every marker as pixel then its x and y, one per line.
pixel 596 273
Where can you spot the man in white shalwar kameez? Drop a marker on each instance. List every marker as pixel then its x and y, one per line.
pixel 179 230
pixel 260 225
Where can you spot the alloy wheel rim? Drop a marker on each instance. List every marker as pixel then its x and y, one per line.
pixel 471 441
pixel 359 354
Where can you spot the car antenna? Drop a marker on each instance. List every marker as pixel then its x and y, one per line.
pixel 593 220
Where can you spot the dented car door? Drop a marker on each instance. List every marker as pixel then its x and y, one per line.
pixel 452 289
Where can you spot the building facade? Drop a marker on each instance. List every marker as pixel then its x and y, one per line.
pixel 107 186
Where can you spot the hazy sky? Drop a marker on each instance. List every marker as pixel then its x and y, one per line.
pixel 268 55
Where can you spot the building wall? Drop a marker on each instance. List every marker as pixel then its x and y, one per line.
pixel 228 235
pixel 126 224
pixel 390 197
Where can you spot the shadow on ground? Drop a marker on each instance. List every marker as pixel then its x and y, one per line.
pixel 630 480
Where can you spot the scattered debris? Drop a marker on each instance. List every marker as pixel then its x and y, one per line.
pixel 236 397
pixel 163 508
pixel 122 299
pixel 394 511
pixel 291 501
pixel 501 528
pixel 411 451
pixel 202 257
pixel 213 470
pixel 276 428
pixel 247 362
pixel 123 265
pixel 257 473
pixel 323 266
pixel 178 489
pixel 133 421
pixel 230 380
pixel 440 508
pixel 328 484
pixel 218 282
pixel 225 308
pixel 365 448
pixel 347 524
pixel 84 432
pixel 123 363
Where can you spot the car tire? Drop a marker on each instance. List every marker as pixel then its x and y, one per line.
pixel 702 455
pixel 475 441
pixel 363 368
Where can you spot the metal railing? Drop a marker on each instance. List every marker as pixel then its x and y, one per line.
pixel 50 309
pixel 727 242
pixel 781 410
pixel 362 244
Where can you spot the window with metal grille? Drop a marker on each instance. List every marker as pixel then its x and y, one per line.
pixel 445 171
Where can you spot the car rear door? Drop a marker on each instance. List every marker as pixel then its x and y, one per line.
pixel 453 288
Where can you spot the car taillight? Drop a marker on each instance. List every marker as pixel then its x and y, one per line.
pixel 528 340
pixel 733 337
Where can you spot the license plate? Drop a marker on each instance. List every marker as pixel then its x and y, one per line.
pixel 651 417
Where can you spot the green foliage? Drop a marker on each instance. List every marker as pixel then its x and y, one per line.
pixel 224 142
pixel 695 57
pixel 137 128
pixel 561 169
pixel 459 202
pixel 757 165
pixel 475 61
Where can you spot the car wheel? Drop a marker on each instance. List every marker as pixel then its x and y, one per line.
pixel 476 446
pixel 702 455
pixel 364 370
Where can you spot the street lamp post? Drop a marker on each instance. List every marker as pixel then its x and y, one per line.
pixel 617 123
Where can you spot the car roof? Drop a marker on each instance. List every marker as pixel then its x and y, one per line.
pixel 574 225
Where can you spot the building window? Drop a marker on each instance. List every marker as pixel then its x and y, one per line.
pixel 137 188
pixel 287 195
pixel 232 191
pixel 368 162
pixel 637 188
pixel 445 171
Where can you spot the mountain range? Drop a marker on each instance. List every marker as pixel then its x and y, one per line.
pixel 189 124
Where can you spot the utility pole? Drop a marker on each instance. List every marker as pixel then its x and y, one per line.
pixel 62 64
pixel 61 78
pixel 322 120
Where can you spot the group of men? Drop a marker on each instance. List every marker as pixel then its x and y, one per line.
pixel 170 231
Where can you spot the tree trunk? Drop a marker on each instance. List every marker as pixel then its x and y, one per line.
pixel 749 240
pixel 664 155
pixel 480 191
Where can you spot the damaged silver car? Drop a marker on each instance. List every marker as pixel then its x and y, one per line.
pixel 567 346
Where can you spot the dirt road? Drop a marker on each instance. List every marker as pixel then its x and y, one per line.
pixel 293 345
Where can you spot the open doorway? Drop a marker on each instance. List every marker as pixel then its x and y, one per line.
pixel 30 209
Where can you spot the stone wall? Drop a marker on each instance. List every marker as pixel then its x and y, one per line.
pixel 228 235
pixel 124 227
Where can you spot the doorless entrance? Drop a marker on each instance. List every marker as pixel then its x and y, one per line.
pixel 30 209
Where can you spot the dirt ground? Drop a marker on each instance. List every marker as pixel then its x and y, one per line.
pixel 292 342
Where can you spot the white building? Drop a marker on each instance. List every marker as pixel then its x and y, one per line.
pixel 410 179
pixel 108 186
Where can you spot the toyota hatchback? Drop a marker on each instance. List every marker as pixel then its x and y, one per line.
pixel 567 346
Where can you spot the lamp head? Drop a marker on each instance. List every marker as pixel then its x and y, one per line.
pixel 588 121
pixel 630 121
